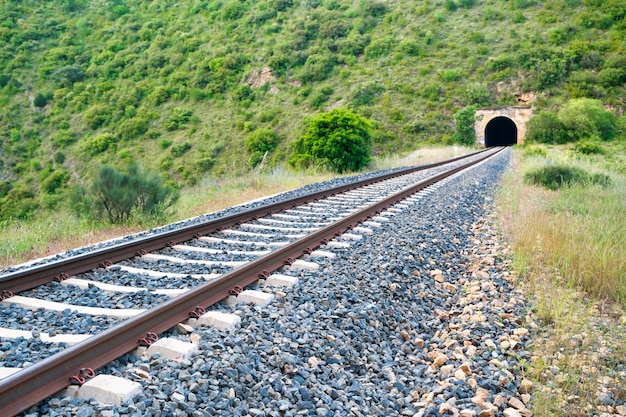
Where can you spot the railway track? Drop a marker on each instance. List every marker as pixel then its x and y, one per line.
pixel 224 255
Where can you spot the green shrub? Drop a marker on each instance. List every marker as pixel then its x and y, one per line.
pixel 5 187
pixel 432 91
pixel 531 151
pixel 450 5
pixel 518 17
pixel 611 77
pixel 40 100
pixel 204 164
pixel 339 140
pixel 54 181
pixel 153 133
pixel 548 73
pixel 411 47
pixel 180 149
pixel 367 93
pixel 380 47
pixel 588 148
pixel 159 95
pixel 70 74
pixel 99 144
pixel 177 118
pixel 546 127
pixel 464 132
pixel 96 116
pixel 117 195
pixel 554 177
pixel 449 75
pixel 63 138
pixel 318 67
pixel 268 115
pixel 500 63
pixel 59 157
pixel 321 97
pixel 260 142
pixel 522 4
pixel 373 8
pixel 233 10
pixel 477 93
pixel 586 118
pixel 164 143
pixel 132 128
pixel 166 163
pixel 19 203
pixel 242 93
pixel 353 45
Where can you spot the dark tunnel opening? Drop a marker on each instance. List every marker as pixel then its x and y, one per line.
pixel 501 131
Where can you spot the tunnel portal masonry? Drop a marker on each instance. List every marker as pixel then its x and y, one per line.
pixel 501 126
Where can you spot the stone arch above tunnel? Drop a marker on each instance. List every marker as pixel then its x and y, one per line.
pixel 496 126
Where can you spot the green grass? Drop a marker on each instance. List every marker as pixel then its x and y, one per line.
pixel 568 248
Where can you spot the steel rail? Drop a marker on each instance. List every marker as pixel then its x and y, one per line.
pixel 32 277
pixel 31 385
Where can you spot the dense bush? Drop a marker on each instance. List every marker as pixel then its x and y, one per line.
pixel 177 118
pixel 546 127
pixel 318 67
pixel 578 119
pixel 180 149
pixel 367 93
pixel 40 100
pixel 259 143
pixel 554 177
pixel 132 128
pixel 586 118
pixel 380 47
pixel 321 97
pixel 117 195
pixel 464 132
pixel 530 151
pixel 54 181
pixel 5 187
pixel 339 140
pixel 63 138
pixel 610 77
pixel 96 116
pixel 100 143
pixel 588 148
pixel 18 203
pixel 70 74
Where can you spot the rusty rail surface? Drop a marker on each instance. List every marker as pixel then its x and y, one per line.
pixel 34 383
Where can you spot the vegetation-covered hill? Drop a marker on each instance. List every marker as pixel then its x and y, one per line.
pixel 178 86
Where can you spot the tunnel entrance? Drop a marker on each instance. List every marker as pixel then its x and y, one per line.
pixel 500 131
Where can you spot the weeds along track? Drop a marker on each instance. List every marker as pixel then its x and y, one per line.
pixel 67 316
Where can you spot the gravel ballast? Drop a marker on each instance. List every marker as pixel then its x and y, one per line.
pixel 417 319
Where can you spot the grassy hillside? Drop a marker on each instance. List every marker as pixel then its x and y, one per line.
pixel 178 86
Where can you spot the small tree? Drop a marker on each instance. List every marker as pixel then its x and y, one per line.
pixel 586 118
pixel 40 100
pixel 464 132
pixel 119 194
pixel 340 140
